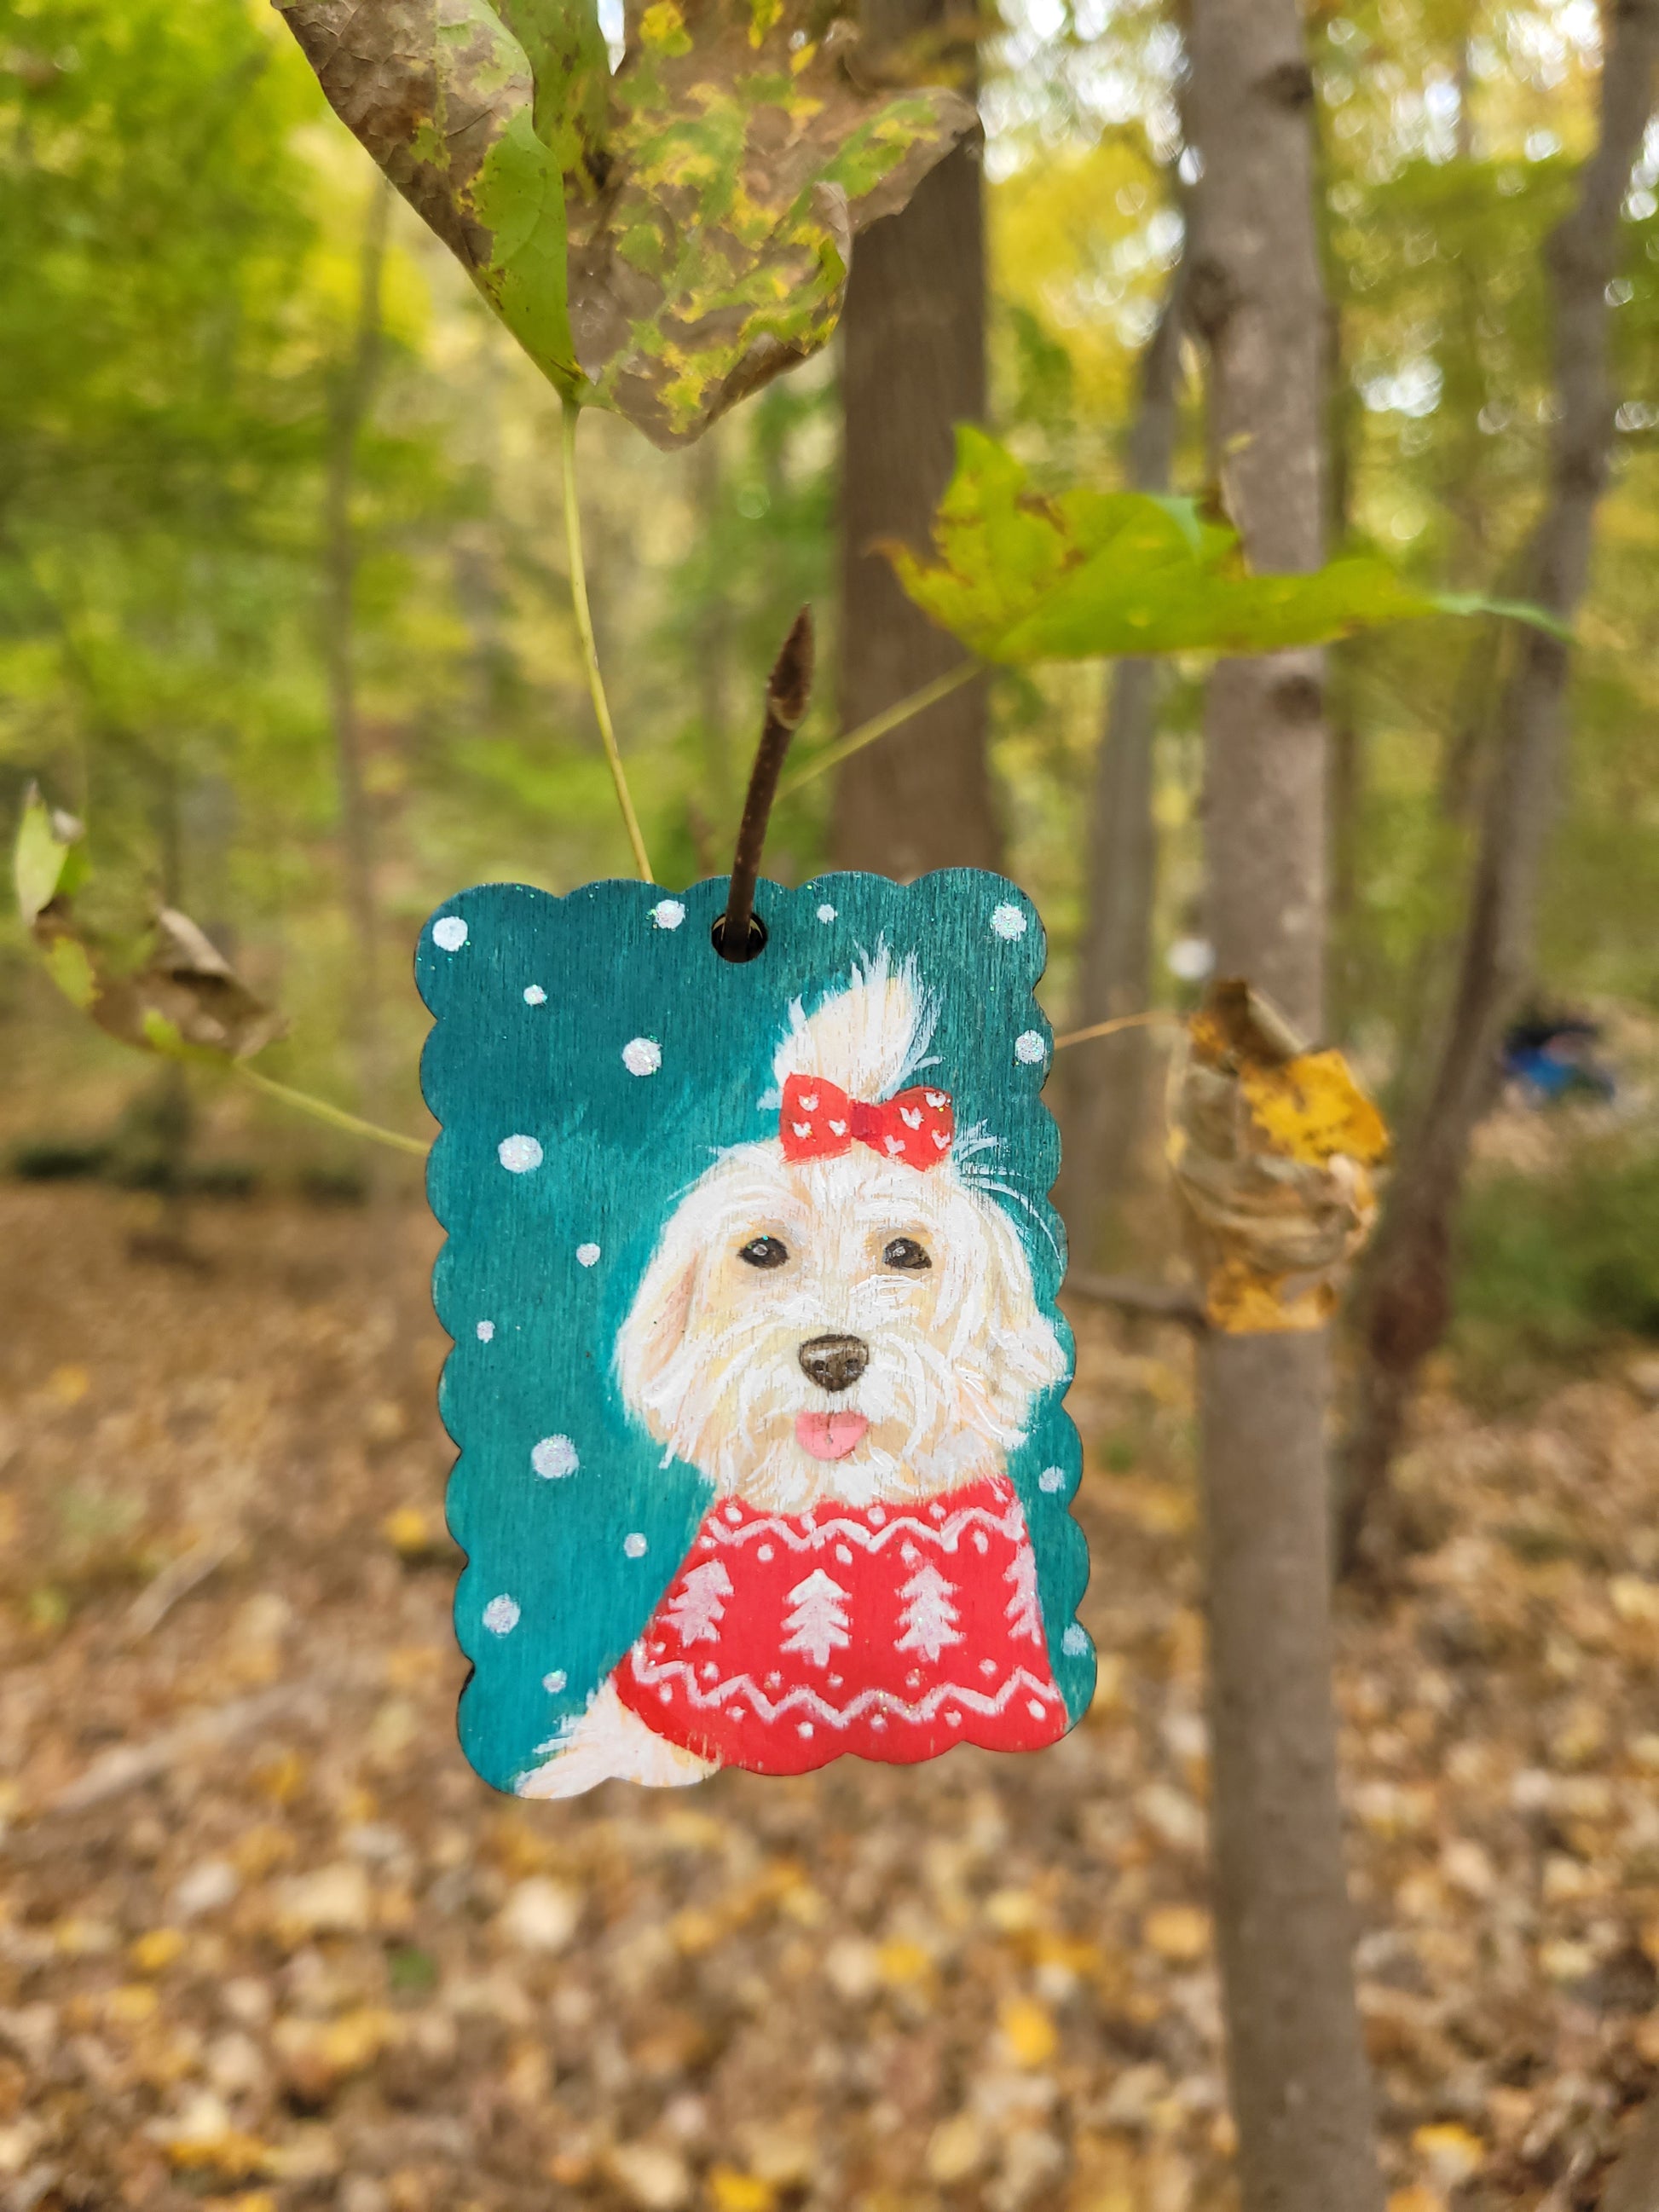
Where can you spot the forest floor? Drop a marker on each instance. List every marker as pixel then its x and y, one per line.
pixel 265 1941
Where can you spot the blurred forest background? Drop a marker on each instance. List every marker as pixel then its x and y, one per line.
pixel 188 355
pixel 284 617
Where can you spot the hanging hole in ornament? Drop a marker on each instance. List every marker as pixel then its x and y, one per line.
pixel 754 944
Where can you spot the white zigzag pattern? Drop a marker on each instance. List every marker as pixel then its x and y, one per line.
pixel 1009 1523
pixel 804 1698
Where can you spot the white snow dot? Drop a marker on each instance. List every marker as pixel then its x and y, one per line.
pixel 955 1719
pixel 1035 1708
pixel 1074 1642
pixel 765 1551
pixel 1008 921
pixel 587 1255
pixel 450 932
pixel 554 1456
pixel 1029 1048
pixel 486 1330
pixel 634 1545
pixel 500 1616
pixel 826 913
pixel 519 1155
pixel 642 1055
pixel 555 1681
pixel 805 1727
pixel 1052 1478
pixel 668 913
pixel 534 995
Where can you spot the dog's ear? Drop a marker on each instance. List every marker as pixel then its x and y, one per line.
pixel 655 1330
pixel 1029 1356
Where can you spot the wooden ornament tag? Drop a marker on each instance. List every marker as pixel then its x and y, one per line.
pixel 758 1373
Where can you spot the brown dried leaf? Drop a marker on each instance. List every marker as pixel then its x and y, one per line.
pixel 1273 1148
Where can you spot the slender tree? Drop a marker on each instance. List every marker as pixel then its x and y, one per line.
pixel 350 402
pixel 1105 1081
pixel 1407 1302
pixel 1633 2184
pixel 912 366
pixel 1300 2090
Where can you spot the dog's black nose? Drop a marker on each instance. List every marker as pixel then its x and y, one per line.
pixel 835 1363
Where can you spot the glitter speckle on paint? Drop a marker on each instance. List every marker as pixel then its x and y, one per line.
pixel 449 932
pixel 667 914
pixel 556 1681
pixel 587 1255
pixel 1008 922
pixel 500 1616
pixel 519 1155
pixel 634 1545
pixel 555 1456
pixel 1029 1048
pixel 485 1331
pixel 534 995
pixel 642 1055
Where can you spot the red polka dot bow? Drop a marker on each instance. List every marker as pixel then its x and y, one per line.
pixel 819 1120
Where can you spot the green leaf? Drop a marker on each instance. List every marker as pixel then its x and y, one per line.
pixel 1019 577
pixel 663 241
pixel 44 855
pixel 169 992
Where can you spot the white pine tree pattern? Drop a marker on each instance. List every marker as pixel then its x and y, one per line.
pixel 1024 1613
pixel 695 1609
pixel 819 1623
pixel 929 1619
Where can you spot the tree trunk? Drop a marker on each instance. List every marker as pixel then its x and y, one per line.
pixel 1105 1082
pixel 1301 2094
pixel 1407 1298
pixel 352 398
pixel 1633 2184
pixel 912 366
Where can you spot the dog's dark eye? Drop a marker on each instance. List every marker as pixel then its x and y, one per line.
pixel 905 1252
pixel 765 1252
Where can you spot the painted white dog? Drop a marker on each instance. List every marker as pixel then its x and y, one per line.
pixel 825 1328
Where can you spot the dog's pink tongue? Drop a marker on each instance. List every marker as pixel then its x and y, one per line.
pixel 829 1436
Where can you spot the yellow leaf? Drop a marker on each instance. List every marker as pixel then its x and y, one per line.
pixel 408 1532
pixel 956 2147
pixel 901 1963
pixel 1028 2030
pixel 1180 1933
pixel 236 2155
pixel 1451 2152
pixel 153 1954
pixel 730 2190
pixel 1312 1110
pixel 69 1384
pixel 131 2005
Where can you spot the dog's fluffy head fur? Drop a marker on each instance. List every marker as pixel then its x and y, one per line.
pixel 955 1349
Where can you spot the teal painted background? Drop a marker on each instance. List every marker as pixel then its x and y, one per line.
pixel 617 1149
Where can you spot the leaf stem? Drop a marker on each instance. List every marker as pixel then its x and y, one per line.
pixel 573 538
pixel 1123 1022
pixel 879 725
pixel 320 1109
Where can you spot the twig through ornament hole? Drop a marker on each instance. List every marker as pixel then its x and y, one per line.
pixel 739 933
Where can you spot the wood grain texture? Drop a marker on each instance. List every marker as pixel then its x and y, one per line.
pixel 595 1066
